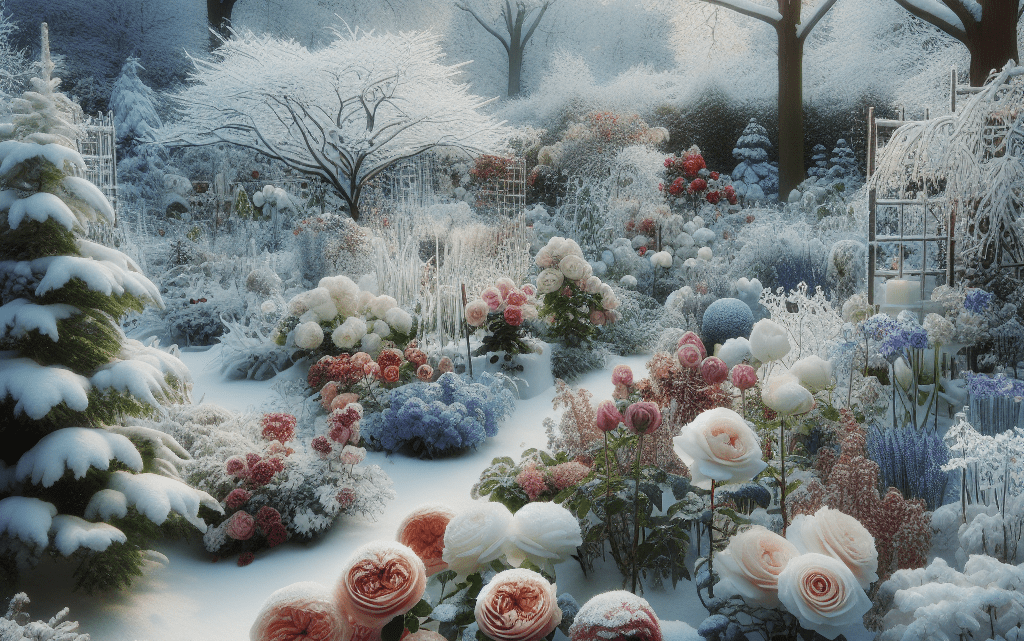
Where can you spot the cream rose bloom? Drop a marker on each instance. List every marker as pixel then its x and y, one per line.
pixel 814 372
pixel 475 537
pixel 838 535
pixel 784 394
pixel 573 267
pixel 546 533
pixel 769 341
pixel 593 285
pixel 476 313
pixel 309 335
pixel 751 564
pixel 822 593
pixel 719 445
pixel 399 320
pixel 549 280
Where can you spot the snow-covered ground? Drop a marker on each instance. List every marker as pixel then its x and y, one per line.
pixel 192 599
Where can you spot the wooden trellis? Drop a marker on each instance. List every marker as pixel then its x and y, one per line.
pixel 506 193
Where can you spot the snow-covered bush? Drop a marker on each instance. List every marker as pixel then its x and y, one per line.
pixel 433 420
pixel 135 114
pixel 15 626
pixel 72 482
pixel 755 179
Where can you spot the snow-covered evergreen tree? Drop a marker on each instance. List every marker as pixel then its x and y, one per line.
pixel 843 164
pixel 131 101
pixel 820 160
pixel 754 178
pixel 73 482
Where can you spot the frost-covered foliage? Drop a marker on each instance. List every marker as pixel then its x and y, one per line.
pixel 15 625
pixel 809 318
pixel 434 420
pixel 985 601
pixel 780 252
pixel 240 459
pixel 14 64
pixel 135 114
pixel 991 469
pixel 75 483
pixel 374 100
pixel 754 178
pixel 911 461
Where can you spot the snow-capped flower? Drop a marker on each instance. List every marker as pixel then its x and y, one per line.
pixel 813 372
pixel 370 601
pixel 423 531
pixel 784 394
pixel 295 610
pixel 616 615
pixel 348 333
pixel 719 445
pixel 380 306
pixel 574 267
pixel 689 356
pixel 705 254
pixel 744 376
pixel 399 320
pixel 714 370
pixel 544 532
pixel 622 375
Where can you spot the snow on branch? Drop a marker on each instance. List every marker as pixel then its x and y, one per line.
pixel 102 276
pixel 19 317
pixel 91 196
pixel 155 496
pixel 819 11
pixel 71 533
pixel 750 9
pixel 938 14
pixel 37 389
pixel 41 206
pixel 343 113
pixel 14 153
pixel 76 449
pixel 27 519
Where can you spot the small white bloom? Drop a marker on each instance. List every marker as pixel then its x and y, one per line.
pixel 769 341
pixel 399 320
pixel 381 304
pixel 309 335
pixel 549 280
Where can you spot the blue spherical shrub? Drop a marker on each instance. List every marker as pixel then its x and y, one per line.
pixel 724 319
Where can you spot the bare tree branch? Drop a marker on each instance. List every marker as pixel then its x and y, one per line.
pixel 805 27
pixel 494 32
pixel 750 9
pixel 940 16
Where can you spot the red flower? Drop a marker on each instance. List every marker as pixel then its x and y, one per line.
pixel 669 161
pixel 661 186
pixel 698 184
pixel 236 498
pixel 714 370
pixel 266 517
pixel 692 165
pixel 263 472
pixel 346 497
pixel 416 356
pixel 647 226
pixel 714 175
pixel 322 446
pixel 641 250
pixel 276 534
pixel 713 197
pixel 733 199
pixel 643 417
pixel 252 459
pixel 514 315
pixel 677 187
pixel 245 558
pixel 391 374
pixel 425 373
pixel 608 416
pixel 255 174
pixel 278 427
pixel 630 225
pixel 389 358
pixel 237 467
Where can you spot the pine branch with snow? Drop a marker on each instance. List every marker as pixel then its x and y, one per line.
pixel 15 625
pixel 135 116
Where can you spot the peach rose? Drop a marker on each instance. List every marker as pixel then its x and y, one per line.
pixel 504 285
pixel 518 605
pixel 475 537
pixel 300 612
pixel 822 593
pixel 838 535
pixel 719 445
pixel 423 531
pixel 616 615
pixel 343 400
pixel 751 565
pixel 381 580
pixel 476 313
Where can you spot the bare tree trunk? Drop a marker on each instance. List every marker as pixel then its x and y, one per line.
pixel 992 41
pixel 791 109
pixel 218 17
pixel 515 70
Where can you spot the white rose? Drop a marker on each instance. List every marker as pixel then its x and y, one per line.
pixel 573 267
pixel 381 304
pixel 814 372
pixel 544 258
pixel 750 565
pixel 371 344
pixel 823 594
pixel 784 394
pixel 399 320
pixel 593 285
pixel 734 351
pixel 841 536
pixel 769 341
pixel 309 335
pixel 298 306
pixel 546 533
pixel 628 281
pixel 661 259
pixel 475 537
pixel 719 445
pixel 343 291
pixel 609 302
pixel 549 280
pixel 268 307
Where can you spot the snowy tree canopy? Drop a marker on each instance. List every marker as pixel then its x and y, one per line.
pixel 131 101
pixel 343 113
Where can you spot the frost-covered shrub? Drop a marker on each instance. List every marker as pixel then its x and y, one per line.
pixel 642 321
pixel 569 363
pixel 331 244
pixel 15 626
pixel 755 178
pixel 724 319
pixel 239 459
pixel 911 461
pixel 433 420
pixel 780 253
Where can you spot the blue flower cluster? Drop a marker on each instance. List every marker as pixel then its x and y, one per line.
pixel 977 300
pixel 904 337
pixel 878 327
pixel 1000 385
pixel 431 420
pixel 911 461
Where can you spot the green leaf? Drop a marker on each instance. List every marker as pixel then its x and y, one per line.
pixel 422 609
pixel 393 630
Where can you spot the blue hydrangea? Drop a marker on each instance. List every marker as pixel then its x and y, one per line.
pixel 878 327
pixel 724 319
pixel 982 386
pixel 438 419
pixel 977 300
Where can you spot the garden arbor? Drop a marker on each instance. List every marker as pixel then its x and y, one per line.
pixel 343 113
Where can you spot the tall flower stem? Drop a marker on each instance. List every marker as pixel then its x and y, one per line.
pixel 711 543
pixel 607 492
pixel 782 470
pixel 636 511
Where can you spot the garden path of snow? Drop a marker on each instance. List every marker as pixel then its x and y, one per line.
pixel 192 599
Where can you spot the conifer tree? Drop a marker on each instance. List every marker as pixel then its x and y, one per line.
pixel 754 178
pixel 73 482
pixel 820 160
pixel 131 101
pixel 843 163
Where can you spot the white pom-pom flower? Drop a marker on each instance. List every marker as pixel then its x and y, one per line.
pixel 309 335
pixel 769 341
pixel 348 333
pixel 399 320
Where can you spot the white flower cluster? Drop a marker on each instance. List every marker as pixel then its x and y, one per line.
pixel 368 319
pixel 562 259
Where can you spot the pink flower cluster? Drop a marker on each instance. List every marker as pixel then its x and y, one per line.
pixel 514 304
pixel 537 480
pixel 278 427
pixel 343 425
pixel 692 355
pixel 254 468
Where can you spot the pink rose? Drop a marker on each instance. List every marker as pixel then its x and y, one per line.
pixel 597 317
pixel 327 394
pixel 492 297
pixel 622 375
pixel 300 611
pixel 616 615
pixel 750 565
pixel 240 526
pixel 361 358
pixel 514 316
pixel 689 356
pixel 504 286
pixel 236 498
pixel 714 370
pixel 516 297
pixel 608 416
pixel 689 338
pixel 643 417
pixel 476 313
pixel 425 373
pixel 423 531
pixel 381 580
pixel 445 365
pixel 341 401
pixel 838 535
pixel 719 445
pixel 744 376
pixel 518 605
pixel 823 594
pixel 529 289
pixel 372 369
